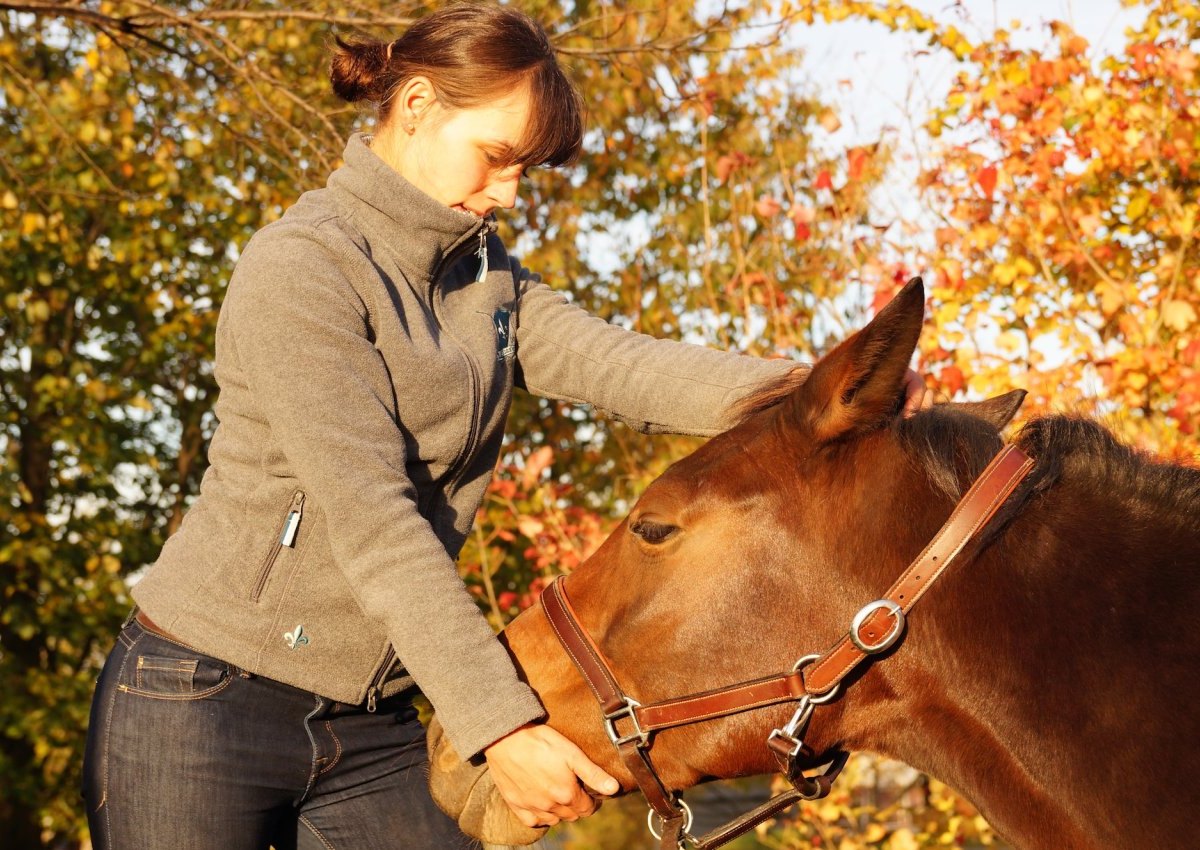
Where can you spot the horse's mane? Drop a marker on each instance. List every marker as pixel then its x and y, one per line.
pixel 952 447
pixel 1084 449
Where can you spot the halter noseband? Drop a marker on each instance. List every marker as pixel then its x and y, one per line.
pixel 813 680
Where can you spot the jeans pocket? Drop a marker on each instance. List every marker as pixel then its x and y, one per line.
pixel 171 672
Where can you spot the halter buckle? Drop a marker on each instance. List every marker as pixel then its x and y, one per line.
pixel 629 709
pixel 893 634
pixel 652 815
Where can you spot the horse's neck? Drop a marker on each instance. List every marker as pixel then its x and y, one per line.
pixel 1052 680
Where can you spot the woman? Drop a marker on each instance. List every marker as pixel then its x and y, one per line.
pixel 367 349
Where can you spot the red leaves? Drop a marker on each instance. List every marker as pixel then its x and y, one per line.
pixel 725 167
pixel 824 180
pixel 987 180
pixel 729 163
pixel 857 160
pixel 537 463
pixel 802 217
pixel 885 291
pixel 768 207
pixel 952 380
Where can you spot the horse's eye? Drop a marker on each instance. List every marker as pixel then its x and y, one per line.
pixel 653 532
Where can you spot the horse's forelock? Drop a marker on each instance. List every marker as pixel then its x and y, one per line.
pixel 767 395
pixel 950 446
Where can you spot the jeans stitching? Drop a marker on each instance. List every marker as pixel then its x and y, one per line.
pixel 337 744
pixel 199 695
pixel 304 820
pixel 312 769
pixel 180 665
pixel 112 702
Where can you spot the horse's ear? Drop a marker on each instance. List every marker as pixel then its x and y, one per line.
pixel 860 384
pixel 998 410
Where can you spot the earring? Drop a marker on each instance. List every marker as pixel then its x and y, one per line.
pixel 410 127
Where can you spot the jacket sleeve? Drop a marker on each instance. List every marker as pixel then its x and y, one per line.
pixel 301 334
pixel 653 385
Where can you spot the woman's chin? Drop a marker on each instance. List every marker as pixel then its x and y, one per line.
pixel 466 793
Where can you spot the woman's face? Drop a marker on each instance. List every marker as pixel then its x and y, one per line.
pixel 453 154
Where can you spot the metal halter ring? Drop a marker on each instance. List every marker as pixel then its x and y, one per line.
pixel 629 709
pixel 888 639
pixel 687 819
pixel 815 699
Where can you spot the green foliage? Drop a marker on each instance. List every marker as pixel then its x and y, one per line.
pixel 133 176
pixel 148 146
pixel 147 143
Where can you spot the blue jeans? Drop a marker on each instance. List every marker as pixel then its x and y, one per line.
pixel 187 752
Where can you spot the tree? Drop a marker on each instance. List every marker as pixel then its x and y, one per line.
pixel 151 140
pixel 1070 204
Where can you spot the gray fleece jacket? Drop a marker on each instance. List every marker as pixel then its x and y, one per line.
pixel 365 376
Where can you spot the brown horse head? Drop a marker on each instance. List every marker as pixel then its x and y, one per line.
pixel 761 546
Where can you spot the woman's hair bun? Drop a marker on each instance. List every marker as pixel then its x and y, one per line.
pixel 359 70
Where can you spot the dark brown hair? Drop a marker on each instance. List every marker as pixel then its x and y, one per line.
pixel 471 53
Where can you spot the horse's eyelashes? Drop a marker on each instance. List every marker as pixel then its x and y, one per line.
pixel 653 532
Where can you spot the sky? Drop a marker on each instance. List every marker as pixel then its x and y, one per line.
pixel 880 80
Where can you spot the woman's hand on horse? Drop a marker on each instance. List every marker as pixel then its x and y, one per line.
pixel 539 773
pixel 917 396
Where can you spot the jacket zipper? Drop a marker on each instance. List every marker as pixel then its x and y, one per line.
pixel 453 471
pixel 481 253
pixel 287 537
pixel 376 687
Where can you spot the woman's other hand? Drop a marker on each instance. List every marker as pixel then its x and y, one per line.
pixel 538 772
pixel 916 395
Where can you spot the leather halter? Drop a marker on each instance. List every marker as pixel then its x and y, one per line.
pixel 812 680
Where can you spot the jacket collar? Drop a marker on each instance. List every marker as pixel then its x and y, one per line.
pixel 420 233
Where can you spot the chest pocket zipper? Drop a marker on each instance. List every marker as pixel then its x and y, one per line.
pixel 287 537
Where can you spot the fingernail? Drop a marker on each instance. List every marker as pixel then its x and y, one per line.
pixel 611 787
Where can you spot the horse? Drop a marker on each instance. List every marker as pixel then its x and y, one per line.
pixel 1051 678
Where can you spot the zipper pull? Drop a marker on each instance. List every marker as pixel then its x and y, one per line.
pixel 292 524
pixel 482 255
pixel 372 693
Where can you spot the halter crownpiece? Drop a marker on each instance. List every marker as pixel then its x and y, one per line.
pixel 812 681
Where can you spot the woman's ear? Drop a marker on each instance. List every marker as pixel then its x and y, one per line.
pixel 412 101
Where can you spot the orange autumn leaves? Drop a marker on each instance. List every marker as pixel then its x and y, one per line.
pixel 1065 262
pixel 1069 184
pixel 802 215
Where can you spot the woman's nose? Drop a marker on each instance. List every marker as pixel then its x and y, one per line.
pixel 503 192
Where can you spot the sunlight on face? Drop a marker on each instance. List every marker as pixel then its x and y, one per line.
pixel 454 154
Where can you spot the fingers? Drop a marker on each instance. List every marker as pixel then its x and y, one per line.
pixel 916 395
pixel 562 803
pixel 914 391
pixel 590 774
pixel 538 772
